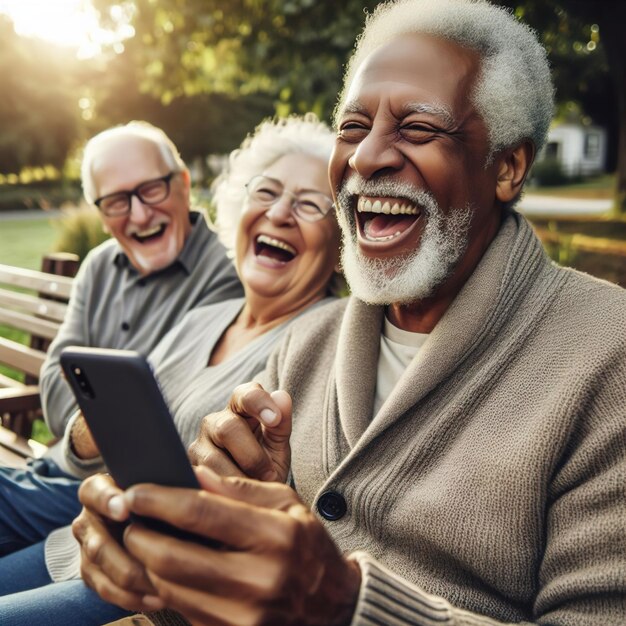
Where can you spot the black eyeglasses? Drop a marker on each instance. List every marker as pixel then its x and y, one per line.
pixel 311 206
pixel 149 192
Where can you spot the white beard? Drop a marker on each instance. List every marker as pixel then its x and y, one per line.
pixel 410 277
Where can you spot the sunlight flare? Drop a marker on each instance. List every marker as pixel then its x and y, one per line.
pixel 71 23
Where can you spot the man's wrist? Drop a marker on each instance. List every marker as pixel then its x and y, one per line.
pixel 81 440
pixel 353 583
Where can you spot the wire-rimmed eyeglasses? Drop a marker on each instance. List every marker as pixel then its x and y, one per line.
pixel 310 206
pixel 149 192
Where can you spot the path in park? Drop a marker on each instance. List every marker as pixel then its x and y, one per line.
pixel 29 214
pixel 551 205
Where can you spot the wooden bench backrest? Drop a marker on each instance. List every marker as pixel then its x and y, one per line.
pixel 34 302
pixel 38 308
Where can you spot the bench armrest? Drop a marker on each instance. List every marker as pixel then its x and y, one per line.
pixel 19 399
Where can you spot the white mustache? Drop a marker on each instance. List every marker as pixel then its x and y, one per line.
pixel 356 185
pixel 136 230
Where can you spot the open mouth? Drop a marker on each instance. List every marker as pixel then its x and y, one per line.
pixel 149 234
pixel 384 219
pixel 275 249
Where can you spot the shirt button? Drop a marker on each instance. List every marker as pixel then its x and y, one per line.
pixel 332 506
pixel 125 326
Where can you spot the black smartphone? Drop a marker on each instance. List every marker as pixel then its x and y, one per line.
pixel 129 420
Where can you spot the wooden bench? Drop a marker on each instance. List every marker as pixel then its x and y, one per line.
pixel 33 302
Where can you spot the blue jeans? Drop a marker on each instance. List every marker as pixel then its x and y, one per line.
pixel 29 597
pixel 34 502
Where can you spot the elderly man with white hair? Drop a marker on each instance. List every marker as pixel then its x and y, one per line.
pixel 455 435
pixel 161 262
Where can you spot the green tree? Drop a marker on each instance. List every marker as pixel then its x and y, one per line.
pixel 38 108
pixel 294 51
pixel 587 50
pixel 291 50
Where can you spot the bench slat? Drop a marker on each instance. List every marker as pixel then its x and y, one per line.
pixel 21 357
pixel 7 381
pixel 49 309
pixel 59 286
pixel 25 398
pixel 23 448
pixel 30 324
pixel 11 459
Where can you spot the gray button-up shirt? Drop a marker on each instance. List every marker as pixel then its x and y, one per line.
pixel 113 306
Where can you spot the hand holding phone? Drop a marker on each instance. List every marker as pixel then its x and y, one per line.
pixel 129 420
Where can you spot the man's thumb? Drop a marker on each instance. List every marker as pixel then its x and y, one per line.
pixel 282 430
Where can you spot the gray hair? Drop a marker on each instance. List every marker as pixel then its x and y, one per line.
pixel 514 92
pixel 271 140
pixel 142 130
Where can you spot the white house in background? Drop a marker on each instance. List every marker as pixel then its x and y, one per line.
pixel 581 150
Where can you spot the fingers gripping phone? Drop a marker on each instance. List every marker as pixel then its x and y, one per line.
pixel 129 420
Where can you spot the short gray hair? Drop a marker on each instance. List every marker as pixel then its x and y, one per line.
pixel 271 140
pixel 514 92
pixel 142 130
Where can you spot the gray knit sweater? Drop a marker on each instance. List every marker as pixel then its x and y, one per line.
pixel 490 487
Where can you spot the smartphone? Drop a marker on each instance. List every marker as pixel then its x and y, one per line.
pixel 129 420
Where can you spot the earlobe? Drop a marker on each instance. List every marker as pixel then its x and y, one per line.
pixel 186 178
pixel 513 169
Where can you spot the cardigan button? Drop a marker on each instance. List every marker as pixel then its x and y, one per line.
pixel 332 506
pixel 125 326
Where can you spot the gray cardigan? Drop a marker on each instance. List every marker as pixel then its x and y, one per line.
pixel 113 306
pixel 490 487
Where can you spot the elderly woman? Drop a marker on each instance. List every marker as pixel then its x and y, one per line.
pixel 275 212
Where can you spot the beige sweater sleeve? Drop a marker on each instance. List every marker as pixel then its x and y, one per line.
pixel 386 598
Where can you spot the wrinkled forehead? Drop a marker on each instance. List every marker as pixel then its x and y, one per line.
pixel 128 148
pixel 300 171
pixel 125 161
pixel 427 70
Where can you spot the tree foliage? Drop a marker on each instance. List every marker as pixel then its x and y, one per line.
pixel 199 124
pixel 38 113
pixel 291 50
pixel 587 50
pixel 294 51
pixel 208 70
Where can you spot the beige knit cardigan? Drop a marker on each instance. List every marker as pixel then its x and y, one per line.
pixel 490 487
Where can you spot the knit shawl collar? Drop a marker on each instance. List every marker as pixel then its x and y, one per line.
pixel 504 275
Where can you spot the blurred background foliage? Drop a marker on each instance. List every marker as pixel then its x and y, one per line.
pixel 208 70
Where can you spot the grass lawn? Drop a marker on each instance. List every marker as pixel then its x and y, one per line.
pixel 24 242
pixel 599 188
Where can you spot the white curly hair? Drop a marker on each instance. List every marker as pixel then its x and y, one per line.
pixel 514 92
pixel 271 140
pixel 140 129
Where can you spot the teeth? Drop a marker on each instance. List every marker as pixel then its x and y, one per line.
pixel 397 208
pixel 276 243
pixel 151 231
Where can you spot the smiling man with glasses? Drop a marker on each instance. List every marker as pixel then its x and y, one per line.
pixel 161 262
pixel 149 192
pixel 142 193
